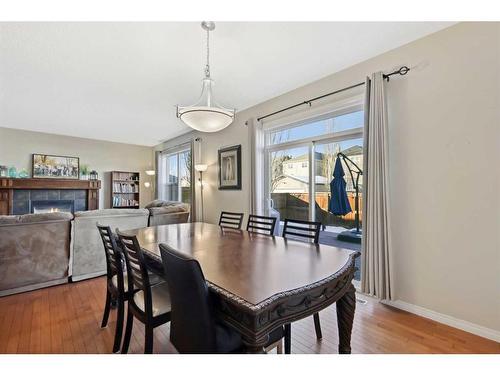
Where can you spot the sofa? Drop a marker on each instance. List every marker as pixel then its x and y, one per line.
pixel 39 250
pixel 87 254
pixel 167 212
pixel 34 251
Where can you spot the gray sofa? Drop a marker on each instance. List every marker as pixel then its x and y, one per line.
pixel 34 251
pixel 39 250
pixel 87 254
pixel 167 212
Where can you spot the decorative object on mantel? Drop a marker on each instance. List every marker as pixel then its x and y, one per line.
pixel 53 166
pixel 206 115
pixel 94 175
pixel 23 173
pixel 4 171
pixel 13 172
pixel 230 168
pixel 84 172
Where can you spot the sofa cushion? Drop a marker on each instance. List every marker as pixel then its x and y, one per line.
pixel 181 207
pixel 112 212
pixel 35 218
pixel 156 203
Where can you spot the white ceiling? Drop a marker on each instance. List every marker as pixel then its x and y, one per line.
pixel 121 81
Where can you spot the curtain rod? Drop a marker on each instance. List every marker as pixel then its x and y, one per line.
pixel 401 71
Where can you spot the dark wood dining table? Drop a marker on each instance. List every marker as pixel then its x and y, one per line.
pixel 261 282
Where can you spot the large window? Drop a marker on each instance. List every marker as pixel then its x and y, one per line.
pixel 300 160
pixel 174 175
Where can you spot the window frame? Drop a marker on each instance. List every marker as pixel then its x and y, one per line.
pixel 167 153
pixel 337 109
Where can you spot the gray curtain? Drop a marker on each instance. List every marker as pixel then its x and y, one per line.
pixel 376 255
pixel 256 137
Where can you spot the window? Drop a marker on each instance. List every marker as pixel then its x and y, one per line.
pixel 348 121
pixel 174 175
pixel 301 190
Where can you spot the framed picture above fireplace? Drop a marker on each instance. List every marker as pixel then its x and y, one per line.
pixel 54 166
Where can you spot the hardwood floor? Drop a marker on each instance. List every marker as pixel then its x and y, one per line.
pixel 66 319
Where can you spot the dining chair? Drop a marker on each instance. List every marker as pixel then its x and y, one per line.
pixel 261 224
pixel 116 282
pixel 231 220
pixel 194 327
pixel 150 304
pixel 308 230
pixel 301 229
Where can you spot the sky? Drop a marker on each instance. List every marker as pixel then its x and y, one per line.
pixel 340 123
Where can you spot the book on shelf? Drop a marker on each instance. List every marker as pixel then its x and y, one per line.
pixel 123 202
pixel 125 187
pixel 126 176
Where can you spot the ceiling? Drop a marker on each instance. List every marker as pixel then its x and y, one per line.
pixel 121 81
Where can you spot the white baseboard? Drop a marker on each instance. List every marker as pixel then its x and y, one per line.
pixel 446 319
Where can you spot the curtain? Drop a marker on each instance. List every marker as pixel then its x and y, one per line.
pixel 376 256
pixel 256 137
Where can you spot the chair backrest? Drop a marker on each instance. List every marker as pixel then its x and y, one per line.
pixel 114 265
pixel 137 273
pixel 261 224
pixel 298 229
pixel 192 325
pixel 230 220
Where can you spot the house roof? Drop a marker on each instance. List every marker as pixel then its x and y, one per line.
pixel 351 151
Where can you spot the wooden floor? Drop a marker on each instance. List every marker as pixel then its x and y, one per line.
pixel 66 319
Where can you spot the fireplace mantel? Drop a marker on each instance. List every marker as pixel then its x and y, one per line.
pixel 8 185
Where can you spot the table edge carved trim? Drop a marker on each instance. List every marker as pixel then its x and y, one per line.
pixel 256 321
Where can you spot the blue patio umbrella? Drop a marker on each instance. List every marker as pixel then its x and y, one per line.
pixel 339 203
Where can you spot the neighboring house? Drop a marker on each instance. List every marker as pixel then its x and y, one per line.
pixel 296 171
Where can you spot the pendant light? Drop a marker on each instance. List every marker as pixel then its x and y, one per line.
pixel 206 115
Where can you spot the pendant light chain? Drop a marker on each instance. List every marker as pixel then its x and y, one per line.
pixel 207 67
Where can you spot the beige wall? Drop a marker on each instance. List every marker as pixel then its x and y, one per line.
pixel 444 154
pixel 16 147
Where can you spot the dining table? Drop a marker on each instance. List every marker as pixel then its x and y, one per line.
pixel 261 282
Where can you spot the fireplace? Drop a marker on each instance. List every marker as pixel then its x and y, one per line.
pixel 45 206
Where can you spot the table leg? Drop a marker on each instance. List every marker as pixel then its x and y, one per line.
pixel 345 317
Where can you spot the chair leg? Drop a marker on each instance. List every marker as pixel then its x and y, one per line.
pixel 107 305
pixel 288 338
pixel 119 325
pixel 128 331
pixel 148 343
pixel 279 348
pixel 317 326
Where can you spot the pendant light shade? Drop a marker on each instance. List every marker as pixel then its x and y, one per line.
pixel 206 115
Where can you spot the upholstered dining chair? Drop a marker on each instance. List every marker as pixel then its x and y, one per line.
pixel 231 220
pixel 116 282
pixel 306 231
pixel 194 328
pixel 261 224
pixel 148 303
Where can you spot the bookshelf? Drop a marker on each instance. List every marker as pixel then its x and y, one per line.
pixel 125 189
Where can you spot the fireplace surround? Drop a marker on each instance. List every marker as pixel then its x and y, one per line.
pixel 18 194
